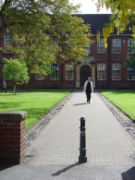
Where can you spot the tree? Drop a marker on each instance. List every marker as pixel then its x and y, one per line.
pixel 28 22
pixel 36 25
pixel 72 37
pixel 36 51
pixel 24 14
pixel 123 13
pixel 16 71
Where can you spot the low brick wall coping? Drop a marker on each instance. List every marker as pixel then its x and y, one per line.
pixel 13 115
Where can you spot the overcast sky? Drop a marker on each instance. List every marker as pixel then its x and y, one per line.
pixel 88 6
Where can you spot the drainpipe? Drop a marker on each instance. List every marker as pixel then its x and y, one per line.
pixel 109 63
pixel 62 75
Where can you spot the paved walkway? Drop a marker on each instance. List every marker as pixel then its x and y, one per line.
pixel 54 154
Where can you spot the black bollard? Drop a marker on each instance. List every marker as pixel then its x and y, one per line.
pixel 82 157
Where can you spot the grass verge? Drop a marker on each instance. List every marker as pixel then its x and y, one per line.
pixel 35 103
pixel 123 99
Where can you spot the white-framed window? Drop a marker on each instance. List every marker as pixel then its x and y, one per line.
pixel 55 72
pixel 130 74
pixel 37 78
pixel 101 72
pixel 101 47
pixel 116 46
pixel 130 45
pixel 7 43
pixel 69 72
pixel 116 72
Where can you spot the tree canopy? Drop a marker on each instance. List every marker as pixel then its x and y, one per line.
pixel 72 37
pixel 123 13
pixel 16 71
pixel 43 30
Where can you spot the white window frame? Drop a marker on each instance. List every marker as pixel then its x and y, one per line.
pixel 101 72
pixel 101 47
pixel 7 42
pixel 116 46
pixel 55 76
pixel 129 46
pixel 130 73
pixel 69 70
pixel 130 41
pixel 115 70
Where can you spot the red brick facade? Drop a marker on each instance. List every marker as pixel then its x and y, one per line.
pixel 94 59
pixel 109 58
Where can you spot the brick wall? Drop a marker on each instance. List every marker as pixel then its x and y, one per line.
pixel 12 137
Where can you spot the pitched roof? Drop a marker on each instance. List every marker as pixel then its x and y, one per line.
pixel 97 21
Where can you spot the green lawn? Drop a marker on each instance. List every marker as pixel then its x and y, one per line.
pixel 36 103
pixel 124 99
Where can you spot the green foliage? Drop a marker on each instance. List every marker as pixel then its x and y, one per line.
pixel 34 28
pixel 122 15
pixel 71 35
pixel 16 71
pixel 38 53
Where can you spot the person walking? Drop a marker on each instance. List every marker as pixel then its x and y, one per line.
pixel 4 86
pixel 88 88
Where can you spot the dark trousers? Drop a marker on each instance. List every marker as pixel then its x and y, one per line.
pixel 88 94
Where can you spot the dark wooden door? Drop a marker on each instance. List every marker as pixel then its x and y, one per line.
pixel 85 72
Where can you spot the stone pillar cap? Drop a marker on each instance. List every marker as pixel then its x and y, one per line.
pixel 13 115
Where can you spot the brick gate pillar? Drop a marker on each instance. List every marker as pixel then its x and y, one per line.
pixel 12 136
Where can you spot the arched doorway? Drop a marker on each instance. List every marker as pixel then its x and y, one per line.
pixel 85 72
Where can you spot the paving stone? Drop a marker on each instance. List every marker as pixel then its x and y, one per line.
pixel 107 141
pixel 54 153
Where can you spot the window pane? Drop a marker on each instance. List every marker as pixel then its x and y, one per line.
pixel 130 44
pixel 69 73
pixel 130 73
pixel 100 47
pixel 7 43
pixel 116 46
pixel 101 72
pixel 55 72
pixel 116 72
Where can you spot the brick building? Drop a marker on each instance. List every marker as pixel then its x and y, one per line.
pixel 107 67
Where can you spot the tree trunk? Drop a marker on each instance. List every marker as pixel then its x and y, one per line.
pixel 14 88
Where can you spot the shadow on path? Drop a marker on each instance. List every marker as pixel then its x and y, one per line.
pixel 65 169
pixel 129 174
pixel 4 167
pixel 79 104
